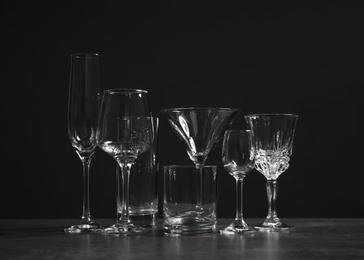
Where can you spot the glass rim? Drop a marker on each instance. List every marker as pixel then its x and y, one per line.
pixel 272 115
pixel 86 54
pixel 187 166
pixel 199 108
pixel 125 91
pixel 138 117
pixel 239 130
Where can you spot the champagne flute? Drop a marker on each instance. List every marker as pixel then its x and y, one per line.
pixel 124 138
pixel 272 136
pixel 238 160
pixel 84 97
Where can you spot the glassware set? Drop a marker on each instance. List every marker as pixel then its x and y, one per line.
pixel 120 123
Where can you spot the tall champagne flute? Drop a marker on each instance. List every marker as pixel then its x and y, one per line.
pixel 273 142
pixel 238 161
pixel 83 103
pixel 124 138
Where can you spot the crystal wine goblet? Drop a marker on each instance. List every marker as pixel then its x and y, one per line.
pixel 124 138
pixel 272 138
pixel 200 129
pixel 83 103
pixel 238 161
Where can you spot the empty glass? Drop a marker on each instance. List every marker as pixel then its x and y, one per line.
pixel 272 138
pixel 143 203
pixel 238 160
pixel 200 128
pixel 180 200
pixel 83 105
pixel 124 138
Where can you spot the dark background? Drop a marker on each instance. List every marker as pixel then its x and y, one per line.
pixel 304 58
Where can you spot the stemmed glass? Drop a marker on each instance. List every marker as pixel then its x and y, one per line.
pixel 238 161
pixel 132 102
pixel 124 138
pixel 272 136
pixel 83 103
pixel 200 129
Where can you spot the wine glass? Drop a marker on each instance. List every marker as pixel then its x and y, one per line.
pixel 131 102
pixel 238 160
pixel 200 129
pixel 83 103
pixel 272 136
pixel 124 138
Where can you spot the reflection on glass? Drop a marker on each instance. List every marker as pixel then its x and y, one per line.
pixel 83 104
pixel 272 142
pixel 238 160
pixel 200 129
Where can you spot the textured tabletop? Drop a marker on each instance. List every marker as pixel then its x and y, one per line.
pixel 312 239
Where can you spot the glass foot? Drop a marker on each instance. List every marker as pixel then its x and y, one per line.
pixel 127 229
pixel 238 226
pixel 189 225
pixel 274 226
pixel 84 228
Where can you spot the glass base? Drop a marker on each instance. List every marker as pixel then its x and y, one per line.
pixel 84 228
pixel 274 225
pixel 145 220
pixel 126 229
pixel 238 226
pixel 177 226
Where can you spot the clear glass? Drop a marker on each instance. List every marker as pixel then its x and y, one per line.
pixel 124 138
pixel 200 128
pixel 238 161
pixel 180 200
pixel 83 104
pixel 134 102
pixel 127 101
pixel 143 204
pixel 272 138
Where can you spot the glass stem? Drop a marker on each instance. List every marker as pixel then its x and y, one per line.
pixel 199 187
pixel 86 216
pixel 123 195
pixel 239 198
pixel 119 205
pixel 272 189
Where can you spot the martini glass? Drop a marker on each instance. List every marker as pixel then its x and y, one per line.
pixel 200 129
pixel 272 138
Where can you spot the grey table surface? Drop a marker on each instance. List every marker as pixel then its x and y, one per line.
pixel 321 238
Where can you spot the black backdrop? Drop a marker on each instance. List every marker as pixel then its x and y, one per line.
pixel 288 57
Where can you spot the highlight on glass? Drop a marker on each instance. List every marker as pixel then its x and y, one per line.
pixel 83 103
pixel 238 161
pixel 272 138
pixel 124 137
